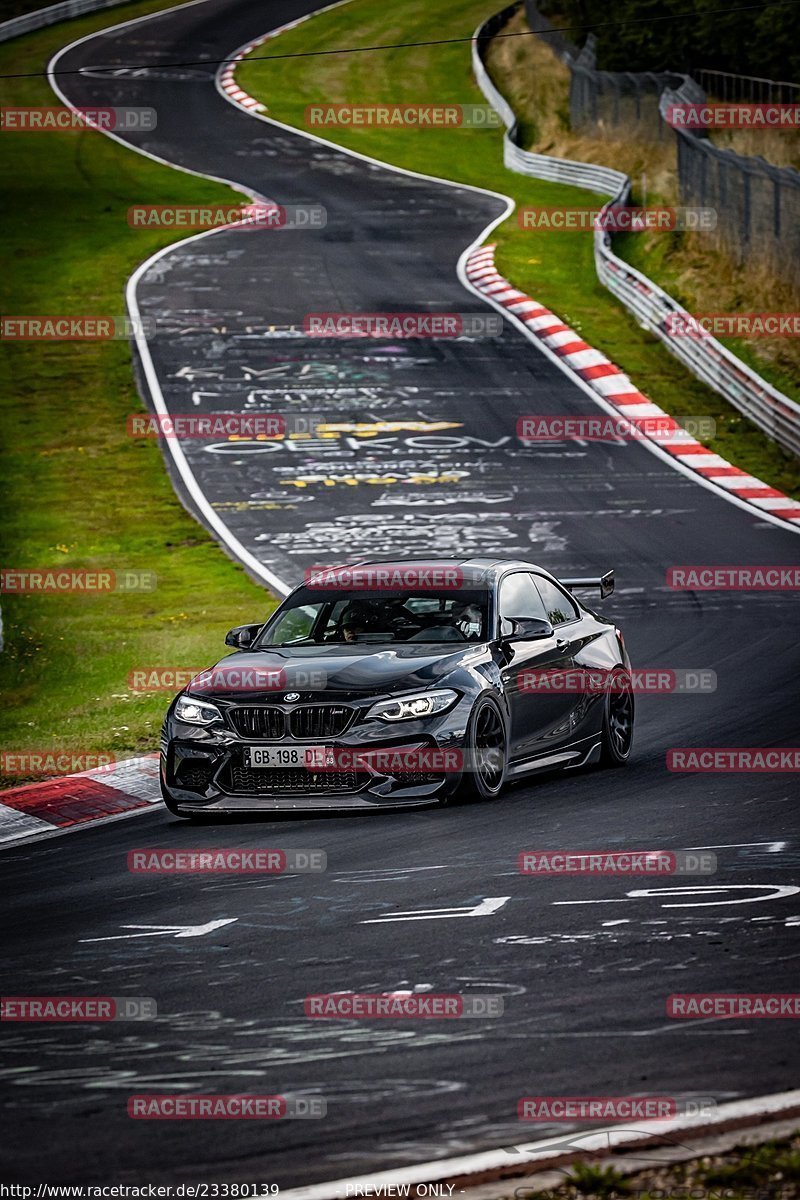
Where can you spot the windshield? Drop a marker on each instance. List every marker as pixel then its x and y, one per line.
pixel 313 617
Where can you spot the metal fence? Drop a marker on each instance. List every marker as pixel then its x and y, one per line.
pixel 42 17
pixel 722 85
pixel 617 102
pixel 777 415
pixel 757 204
pixel 556 40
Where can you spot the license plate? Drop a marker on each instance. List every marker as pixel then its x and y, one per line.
pixel 270 757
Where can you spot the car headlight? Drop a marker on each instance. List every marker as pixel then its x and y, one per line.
pixel 407 708
pixel 196 712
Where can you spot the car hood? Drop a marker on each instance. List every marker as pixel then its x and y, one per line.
pixel 315 672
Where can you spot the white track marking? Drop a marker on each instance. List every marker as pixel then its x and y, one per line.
pixel 489 905
pixel 178 931
pixel 776 891
pixel 772 847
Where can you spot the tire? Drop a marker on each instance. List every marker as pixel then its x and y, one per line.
pixel 618 716
pixel 486 725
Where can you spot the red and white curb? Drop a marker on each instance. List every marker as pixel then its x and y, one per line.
pixel 230 87
pixel 38 810
pixel 614 387
pixel 226 77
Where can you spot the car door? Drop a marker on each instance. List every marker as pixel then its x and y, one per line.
pixel 539 715
pixel 581 705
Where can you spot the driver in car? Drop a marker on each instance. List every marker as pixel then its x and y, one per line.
pixel 354 624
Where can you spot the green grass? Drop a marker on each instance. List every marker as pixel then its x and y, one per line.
pixel 597 1181
pixel 78 492
pixel 556 269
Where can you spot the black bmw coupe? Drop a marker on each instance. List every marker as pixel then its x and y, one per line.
pixel 401 684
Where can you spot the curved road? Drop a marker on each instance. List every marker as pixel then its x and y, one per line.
pixel 584 983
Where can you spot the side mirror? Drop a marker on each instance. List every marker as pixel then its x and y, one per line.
pixel 525 629
pixel 241 636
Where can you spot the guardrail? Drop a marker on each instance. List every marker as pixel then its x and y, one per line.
pixel 726 86
pixel 42 17
pixel 604 180
pixel 774 413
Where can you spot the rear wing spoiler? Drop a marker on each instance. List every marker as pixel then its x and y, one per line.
pixel 604 582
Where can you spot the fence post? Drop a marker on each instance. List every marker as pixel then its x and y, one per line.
pixel 746 214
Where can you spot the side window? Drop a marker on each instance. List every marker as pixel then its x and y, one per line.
pixel 559 607
pixel 519 598
pixel 295 623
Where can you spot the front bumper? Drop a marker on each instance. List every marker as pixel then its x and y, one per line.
pixel 204 770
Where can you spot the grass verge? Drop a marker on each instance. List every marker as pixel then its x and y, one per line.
pixel 767 1172
pixel 556 269
pixel 78 492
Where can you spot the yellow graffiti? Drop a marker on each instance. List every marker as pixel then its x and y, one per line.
pixel 362 429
